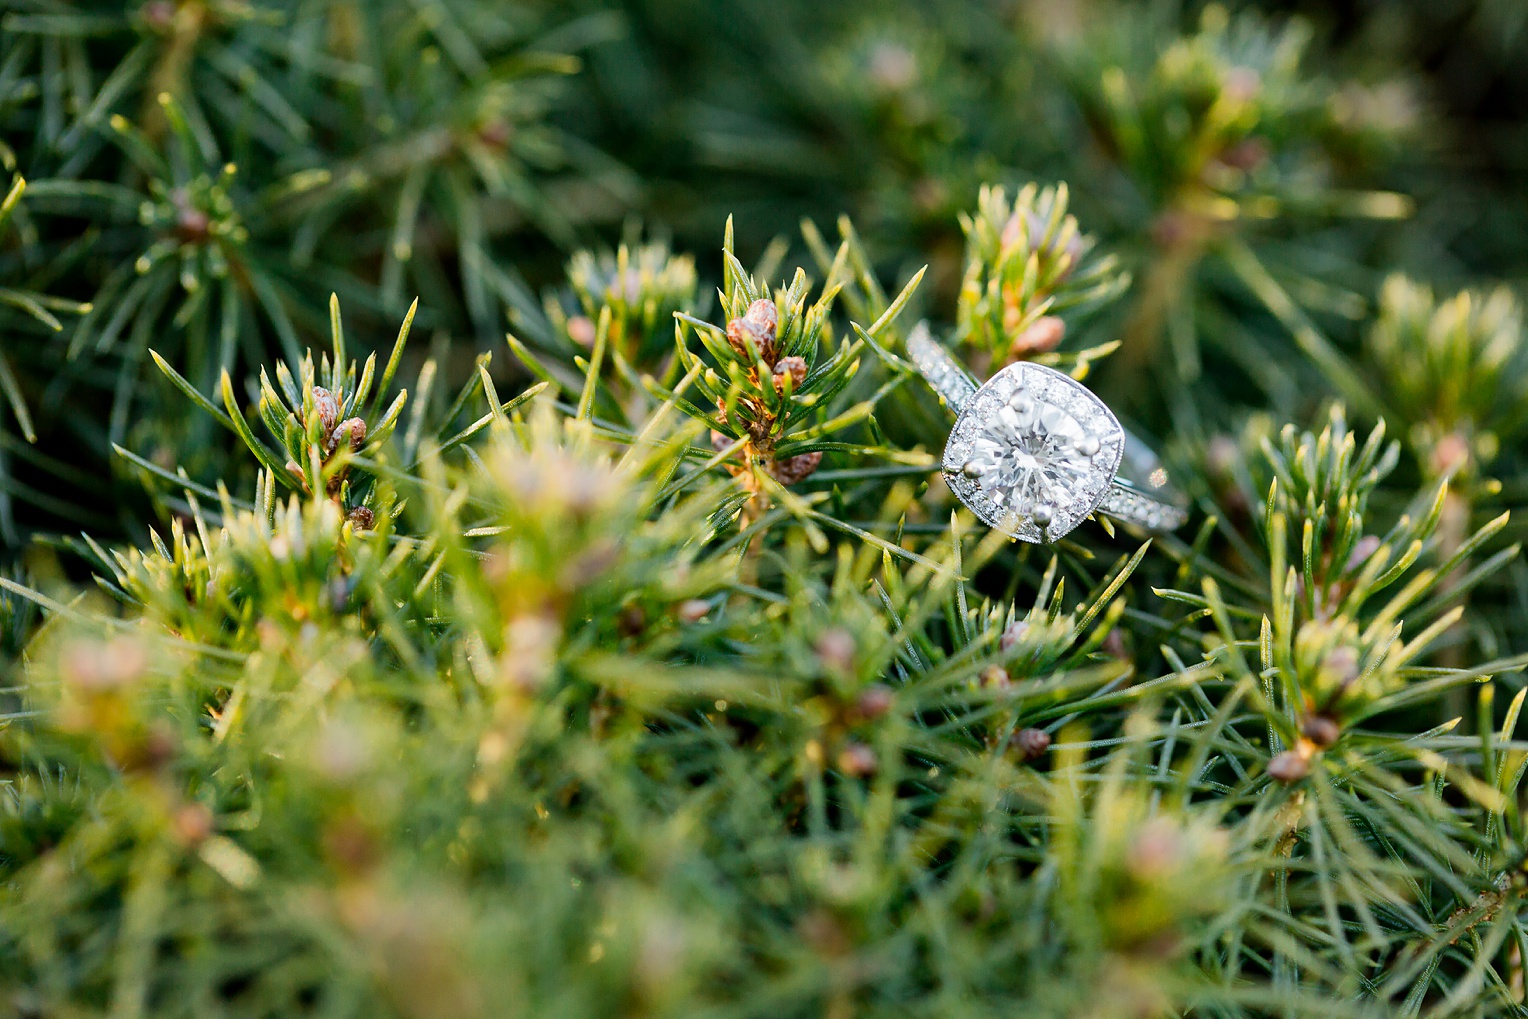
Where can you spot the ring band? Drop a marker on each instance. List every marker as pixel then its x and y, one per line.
pixel 1034 452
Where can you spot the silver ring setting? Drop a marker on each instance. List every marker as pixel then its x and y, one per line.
pixel 1034 452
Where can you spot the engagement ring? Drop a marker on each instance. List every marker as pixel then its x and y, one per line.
pixel 1034 452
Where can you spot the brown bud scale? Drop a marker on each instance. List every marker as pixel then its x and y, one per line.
pixel 1321 730
pixel 1289 767
pixel 795 468
pixel 328 408
pixel 795 367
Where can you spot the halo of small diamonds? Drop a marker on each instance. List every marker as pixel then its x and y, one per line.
pixel 1032 446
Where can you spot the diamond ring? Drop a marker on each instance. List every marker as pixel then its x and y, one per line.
pixel 1034 452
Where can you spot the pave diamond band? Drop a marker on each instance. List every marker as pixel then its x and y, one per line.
pixel 1033 452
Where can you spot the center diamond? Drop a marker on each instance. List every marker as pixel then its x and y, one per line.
pixel 1033 452
pixel 1030 455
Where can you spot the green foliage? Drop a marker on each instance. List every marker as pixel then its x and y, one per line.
pixel 643 287
pixel 646 666
pixel 34 309
pixel 1453 367
pixel 1027 259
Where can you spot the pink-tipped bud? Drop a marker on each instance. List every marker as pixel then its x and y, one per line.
pixel 192 225
pixel 581 330
pixel 1342 664
pixel 191 824
pixel 1242 84
pixel 496 134
pixel 1363 549
pixel 158 15
pixel 1451 455
pixel 836 649
pixel 694 610
pixel 1043 335
pixel 1031 744
pixel 874 702
pixel 857 760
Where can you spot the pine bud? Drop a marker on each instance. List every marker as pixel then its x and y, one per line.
pixel 192 225
pixel 795 367
pixel 995 677
pixel 328 408
pixel 893 67
pixel 756 329
pixel 350 845
pixel 764 315
pixel 1028 226
pixel 158 15
pixel 355 428
pixel 1175 228
pixel 1030 743
pixel 98 667
pixel 1339 671
pixel 857 760
pixel 1114 646
pixel 160 747
pixel 874 702
pixel 1043 335
pixel 1247 154
pixel 795 468
pixel 1363 549
pixel 1450 455
pixel 1156 851
pixel 631 620
pixel 836 649
pixel 1013 636
pixel 191 824
pixel 581 330
pixel 1222 455
pixel 1289 767
pixel 694 610
pixel 820 931
pixel 494 133
pixel 1321 730
pixel 1242 84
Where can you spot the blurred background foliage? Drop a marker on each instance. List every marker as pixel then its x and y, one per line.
pixel 638 664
